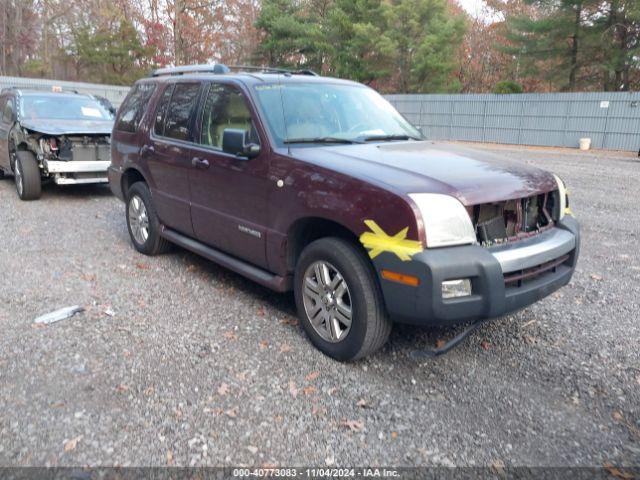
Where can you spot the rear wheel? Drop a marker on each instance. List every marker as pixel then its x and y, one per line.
pixel 339 301
pixel 142 221
pixel 27 176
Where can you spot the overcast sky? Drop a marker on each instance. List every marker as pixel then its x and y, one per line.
pixel 472 6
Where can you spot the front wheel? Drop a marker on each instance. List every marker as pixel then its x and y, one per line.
pixel 27 176
pixel 339 301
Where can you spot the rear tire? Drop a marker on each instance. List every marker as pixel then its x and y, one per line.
pixel 27 176
pixel 334 282
pixel 142 221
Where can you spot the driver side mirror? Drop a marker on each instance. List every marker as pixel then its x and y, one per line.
pixel 236 142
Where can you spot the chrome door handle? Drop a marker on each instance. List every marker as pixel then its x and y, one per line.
pixel 200 163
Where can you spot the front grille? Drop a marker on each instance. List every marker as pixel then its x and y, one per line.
pixel 511 220
pixel 517 278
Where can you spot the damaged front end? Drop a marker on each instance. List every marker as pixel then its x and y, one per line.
pixel 508 221
pixel 73 158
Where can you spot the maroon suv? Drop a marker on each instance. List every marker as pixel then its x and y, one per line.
pixel 320 186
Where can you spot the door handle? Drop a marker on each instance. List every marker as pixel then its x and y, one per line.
pixel 200 163
pixel 147 150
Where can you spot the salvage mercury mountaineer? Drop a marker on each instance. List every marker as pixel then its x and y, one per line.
pixel 56 136
pixel 320 186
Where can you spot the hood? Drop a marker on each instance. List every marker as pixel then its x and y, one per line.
pixel 472 176
pixel 68 127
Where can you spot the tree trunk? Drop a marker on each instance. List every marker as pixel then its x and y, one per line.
pixel 575 45
pixel 178 39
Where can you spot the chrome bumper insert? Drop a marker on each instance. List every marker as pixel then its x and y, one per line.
pixel 78 166
pixel 534 251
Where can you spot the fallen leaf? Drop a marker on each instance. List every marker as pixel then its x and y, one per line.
pixel 169 457
pixel 260 312
pixel 362 403
pixel 485 345
pixel 242 375
pixel 332 390
pixel 231 335
pixel 142 266
pixel 72 444
pixel 57 405
pixel 289 321
pixel 530 322
pixel 264 344
pixel 149 391
pixel 498 467
pixel 529 339
pixel 394 435
pixel 616 472
pixel 310 390
pixel 285 348
pixel 440 343
pixel 312 376
pixel 354 425
pixel 191 268
pixel 233 413
pixel 223 389
pixel 293 389
pixel 252 449
pixel 122 388
pixel 617 416
pixel 596 277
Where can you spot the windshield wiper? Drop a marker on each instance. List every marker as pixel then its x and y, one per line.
pixel 320 140
pixel 383 138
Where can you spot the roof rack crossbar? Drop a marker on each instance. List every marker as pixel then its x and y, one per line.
pixel 220 69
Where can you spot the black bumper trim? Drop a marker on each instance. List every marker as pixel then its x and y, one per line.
pixel 491 298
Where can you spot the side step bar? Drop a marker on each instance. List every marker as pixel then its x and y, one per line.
pixel 258 275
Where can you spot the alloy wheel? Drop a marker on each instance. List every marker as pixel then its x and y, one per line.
pixel 327 301
pixel 138 219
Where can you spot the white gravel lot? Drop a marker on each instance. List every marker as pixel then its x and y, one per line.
pixel 179 362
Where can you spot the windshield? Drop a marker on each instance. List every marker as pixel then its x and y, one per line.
pixel 330 113
pixel 62 107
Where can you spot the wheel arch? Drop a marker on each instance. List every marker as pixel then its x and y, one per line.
pixel 130 176
pixel 308 229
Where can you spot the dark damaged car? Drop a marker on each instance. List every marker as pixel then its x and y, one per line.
pixel 320 186
pixel 63 137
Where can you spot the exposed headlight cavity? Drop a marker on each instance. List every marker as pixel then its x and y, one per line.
pixel 445 220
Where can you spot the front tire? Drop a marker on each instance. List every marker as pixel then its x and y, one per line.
pixel 27 176
pixel 142 221
pixel 339 300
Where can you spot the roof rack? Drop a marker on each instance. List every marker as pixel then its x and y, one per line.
pixel 221 69
pixel 44 88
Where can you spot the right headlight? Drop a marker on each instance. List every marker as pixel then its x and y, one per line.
pixel 444 219
pixel 562 193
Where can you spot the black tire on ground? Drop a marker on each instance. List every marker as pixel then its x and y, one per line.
pixel 27 176
pixel 1 174
pixel 370 323
pixel 145 235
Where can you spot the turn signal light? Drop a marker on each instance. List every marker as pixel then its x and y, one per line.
pixel 400 278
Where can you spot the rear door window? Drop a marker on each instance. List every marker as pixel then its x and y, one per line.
pixel 163 103
pixel 132 110
pixel 177 123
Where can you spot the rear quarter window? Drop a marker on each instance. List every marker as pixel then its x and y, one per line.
pixel 134 106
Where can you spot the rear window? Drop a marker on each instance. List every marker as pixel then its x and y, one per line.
pixel 178 117
pixel 133 108
pixel 158 127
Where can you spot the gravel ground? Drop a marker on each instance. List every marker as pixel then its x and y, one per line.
pixel 179 362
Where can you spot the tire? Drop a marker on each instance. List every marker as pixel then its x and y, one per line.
pixel 142 221
pixel 370 325
pixel 27 176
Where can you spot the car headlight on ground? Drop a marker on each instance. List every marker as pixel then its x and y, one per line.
pixel 444 219
pixel 564 198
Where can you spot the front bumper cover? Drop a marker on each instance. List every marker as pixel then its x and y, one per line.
pixel 486 267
